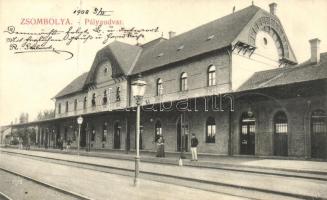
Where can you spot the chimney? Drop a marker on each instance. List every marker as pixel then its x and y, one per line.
pixel 315 52
pixel 273 7
pixel 171 34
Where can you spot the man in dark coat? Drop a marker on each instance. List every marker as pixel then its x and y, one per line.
pixel 194 144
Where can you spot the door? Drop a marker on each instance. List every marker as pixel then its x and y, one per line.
pixel 280 134
pixel 247 136
pixel 117 128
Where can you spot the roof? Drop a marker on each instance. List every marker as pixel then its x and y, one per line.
pixel 75 86
pixel 305 71
pixel 129 59
pixel 196 41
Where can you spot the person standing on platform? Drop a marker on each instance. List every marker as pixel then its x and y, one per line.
pixel 194 144
pixel 160 147
pixel 68 144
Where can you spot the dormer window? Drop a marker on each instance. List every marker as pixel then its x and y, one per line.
pixel 210 37
pixel 180 48
pixel 118 94
pixel 160 55
pixel 93 99
pixel 105 99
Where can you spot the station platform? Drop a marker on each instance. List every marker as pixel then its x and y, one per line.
pixel 295 179
pixel 246 163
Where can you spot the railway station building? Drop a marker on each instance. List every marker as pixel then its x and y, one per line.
pixel 235 82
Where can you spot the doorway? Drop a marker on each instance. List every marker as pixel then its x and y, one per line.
pixel 117 130
pixel 280 134
pixel 247 136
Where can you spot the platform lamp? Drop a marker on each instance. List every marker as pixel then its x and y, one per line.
pixel 79 122
pixel 138 89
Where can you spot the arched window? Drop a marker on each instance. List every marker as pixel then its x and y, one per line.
pixel 280 123
pixel 84 102
pixel 104 99
pixel 105 132
pixel 158 130
pixel 118 94
pixel 105 70
pixel 211 75
pixel 75 104
pixel 67 104
pixel 93 99
pixel 159 87
pixel 210 130
pixel 183 81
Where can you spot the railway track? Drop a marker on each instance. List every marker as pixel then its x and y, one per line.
pixel 59 192
pixel 212 186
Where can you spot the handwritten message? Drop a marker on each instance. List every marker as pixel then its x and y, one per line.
pixel 53 39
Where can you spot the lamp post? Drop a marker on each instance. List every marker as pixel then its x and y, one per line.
pixel 79 122
pixel 138 90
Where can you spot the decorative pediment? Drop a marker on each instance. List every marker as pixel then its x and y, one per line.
pixel 272 26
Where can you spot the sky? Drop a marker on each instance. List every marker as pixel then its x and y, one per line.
pixel 28 82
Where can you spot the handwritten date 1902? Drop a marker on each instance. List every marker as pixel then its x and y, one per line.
pixel 95 11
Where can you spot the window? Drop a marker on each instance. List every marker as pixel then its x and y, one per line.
pixel 104 99
pixel 93 99
pixel 118 94
pixel 210 130
pixel 75 104
pixel 67 104
pixel 212 75
pixel 105 132
pixel 85 102
pixel 159 87
pixel 92 133
pixel 280 123
pixel 265 41
pixel 158 130
pixel 105 70
pixel 319 122
pixel 59 108
pixel 183 81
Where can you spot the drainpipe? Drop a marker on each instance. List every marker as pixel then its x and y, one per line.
pixel 230 153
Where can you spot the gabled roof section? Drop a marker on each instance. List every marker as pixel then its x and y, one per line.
pixel 305 71
pixel 122 57
pixel 75 86
pixel 214 35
